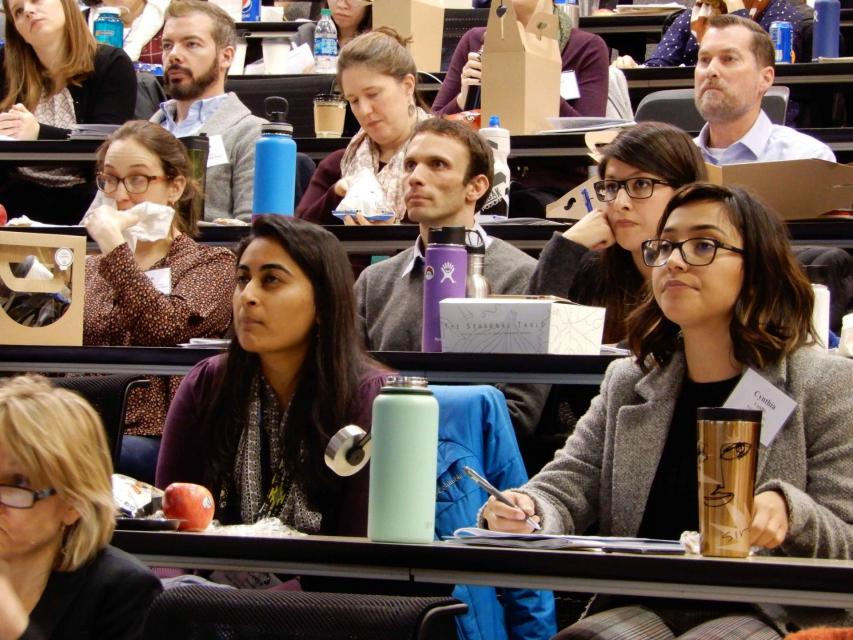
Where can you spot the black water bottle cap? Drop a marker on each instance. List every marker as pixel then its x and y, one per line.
pixel 447 235
pixel 276 109
pixel 475 243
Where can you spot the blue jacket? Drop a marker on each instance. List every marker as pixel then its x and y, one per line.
pixel 475 430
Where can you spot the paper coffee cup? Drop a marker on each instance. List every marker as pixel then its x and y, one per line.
pixel 727 458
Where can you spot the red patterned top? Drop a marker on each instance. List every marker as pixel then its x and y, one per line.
pixel 123 308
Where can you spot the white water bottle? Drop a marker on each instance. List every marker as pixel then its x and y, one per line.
pixel 820 315
pixel 497 204
pixel 326 44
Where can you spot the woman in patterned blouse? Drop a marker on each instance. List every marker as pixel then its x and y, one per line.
pixel 161 292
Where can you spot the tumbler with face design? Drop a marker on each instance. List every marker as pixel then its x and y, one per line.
pixel 727 458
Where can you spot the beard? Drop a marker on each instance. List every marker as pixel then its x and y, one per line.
pixel 720 106
pixel 194 87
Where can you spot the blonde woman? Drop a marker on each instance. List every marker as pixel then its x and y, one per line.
pixel 54 75
pixel 58 576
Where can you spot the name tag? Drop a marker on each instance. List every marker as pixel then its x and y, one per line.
pixel 569 89
pixel 216 155
pixel 754 392
pixel 161 279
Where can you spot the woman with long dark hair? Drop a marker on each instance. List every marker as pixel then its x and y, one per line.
pixel 598 260
pixel 727 296
pixel 252 425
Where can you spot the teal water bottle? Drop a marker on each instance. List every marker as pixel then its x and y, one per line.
pixel 108 27
pixel 401 506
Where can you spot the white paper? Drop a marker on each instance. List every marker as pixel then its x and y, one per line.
pixel 161 279
pixel 216 154
pixel 754 392
pixel 477 536
pixel 569 89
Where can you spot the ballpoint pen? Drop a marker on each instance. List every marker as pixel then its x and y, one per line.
pixel 500 497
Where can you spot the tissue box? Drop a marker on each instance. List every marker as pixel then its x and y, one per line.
pixel 41 288
pixel 520 325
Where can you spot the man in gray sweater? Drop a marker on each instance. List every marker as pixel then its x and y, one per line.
pixel 448 175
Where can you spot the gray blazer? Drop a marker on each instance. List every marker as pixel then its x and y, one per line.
pixel 606 468
pixel 228 187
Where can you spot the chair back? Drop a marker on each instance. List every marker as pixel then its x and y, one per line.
pixel 189 613
pixel 298 89
pixel 456 23
pixel 108 396
pixel 676 107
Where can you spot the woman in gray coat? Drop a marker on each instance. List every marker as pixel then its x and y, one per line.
pixel 726 295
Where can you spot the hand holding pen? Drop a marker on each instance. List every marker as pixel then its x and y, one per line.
pixel 593 231
pixel 509 511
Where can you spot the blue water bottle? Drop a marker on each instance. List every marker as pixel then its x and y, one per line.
pixel 108 27
pixel 827 16
pixel 275 162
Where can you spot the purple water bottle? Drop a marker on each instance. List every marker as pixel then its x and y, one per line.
pixel 445 271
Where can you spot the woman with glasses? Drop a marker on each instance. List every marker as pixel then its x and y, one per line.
pixel 55 75
pixel 598 261
pixel 58 576
pixel 726 296
pixel 150 292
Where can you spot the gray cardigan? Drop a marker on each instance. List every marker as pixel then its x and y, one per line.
pixel 606 468
pixel 390 305
pixel 228 187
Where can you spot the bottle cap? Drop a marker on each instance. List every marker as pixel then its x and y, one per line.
pixel 474 243
pixel 723 414
pixel 325 12
pixel 109 11
pixel 276 109
pixel 446 235
pixel 495 121
pixel 407 382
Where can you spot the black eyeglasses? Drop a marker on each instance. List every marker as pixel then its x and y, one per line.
pixel 637 188
pixel 696 252
pixel 21 498
pixel 134 184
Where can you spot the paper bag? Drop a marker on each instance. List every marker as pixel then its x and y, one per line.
pixel 521 69
pixel 41 288
pixel 796 189
pixel 420 20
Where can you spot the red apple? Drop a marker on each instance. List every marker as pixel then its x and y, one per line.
pixel 3 216
pixel 192 504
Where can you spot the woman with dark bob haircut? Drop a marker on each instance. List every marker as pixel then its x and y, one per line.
pixel 726 296
pixel 252 425
pixel 598 261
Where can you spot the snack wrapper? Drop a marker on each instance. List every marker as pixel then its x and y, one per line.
pixel 365 196
pixel 134 498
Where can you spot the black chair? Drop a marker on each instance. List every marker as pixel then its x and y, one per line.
pixel 676 107
pixel 833 267
pixel 456 23
pixel 196 613
pixel 298 89
pixel 108 395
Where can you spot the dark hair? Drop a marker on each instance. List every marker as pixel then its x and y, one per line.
pixel 27 80
pixel 480 158
pixel 382 50
pixel 328 380
pixel 761 45
pixel 223 32
pixel 173 160
pixel 668 153
pixel 772 314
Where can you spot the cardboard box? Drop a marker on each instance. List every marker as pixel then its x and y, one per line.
pixel 62 273
pixel 518 324
pixel 796 189
pixel 420 20
pixel 521 69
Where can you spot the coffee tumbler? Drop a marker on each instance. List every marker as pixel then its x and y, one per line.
pixel 198 149
pixel 727 458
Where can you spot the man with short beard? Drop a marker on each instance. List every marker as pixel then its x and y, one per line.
pixel 735 68
pixel 198 47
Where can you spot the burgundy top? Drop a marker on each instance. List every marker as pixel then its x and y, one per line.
pixel 122 307
pixel 586 54
pixel 184 451
pixel 320 199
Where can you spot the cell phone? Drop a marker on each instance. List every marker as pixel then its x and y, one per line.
pixel 376 217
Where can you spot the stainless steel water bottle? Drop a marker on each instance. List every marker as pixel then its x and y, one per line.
pixel 404 436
